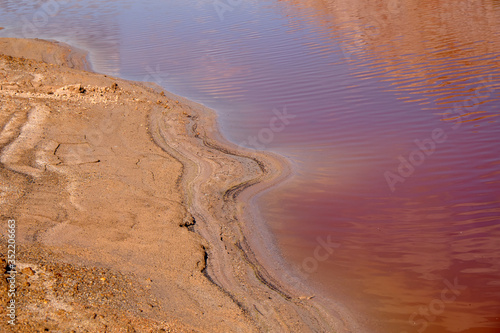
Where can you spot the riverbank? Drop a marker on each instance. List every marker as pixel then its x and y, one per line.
pixel 129 208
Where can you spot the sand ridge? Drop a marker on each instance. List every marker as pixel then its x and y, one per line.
pixel 124 179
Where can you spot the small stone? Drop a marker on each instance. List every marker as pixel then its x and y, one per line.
pixel 28 271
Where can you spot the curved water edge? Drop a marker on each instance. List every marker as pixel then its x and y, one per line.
pixel 242 258
pixel 369 83
pixel 230 224
pixel 49 51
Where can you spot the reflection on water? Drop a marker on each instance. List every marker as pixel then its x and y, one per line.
pixel 85 24
pixel 393 132
pixel 407 239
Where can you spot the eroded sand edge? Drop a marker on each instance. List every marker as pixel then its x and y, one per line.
pixel 129 208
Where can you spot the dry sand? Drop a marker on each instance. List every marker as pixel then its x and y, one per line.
pixel 129 209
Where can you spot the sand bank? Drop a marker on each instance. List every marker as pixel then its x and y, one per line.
pixel 130 209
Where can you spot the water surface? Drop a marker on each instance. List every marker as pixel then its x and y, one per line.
pixel 366 85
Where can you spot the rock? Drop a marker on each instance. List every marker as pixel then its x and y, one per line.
pixel 28 271
pixel 74 88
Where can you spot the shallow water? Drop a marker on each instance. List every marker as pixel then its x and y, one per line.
pixel 415 250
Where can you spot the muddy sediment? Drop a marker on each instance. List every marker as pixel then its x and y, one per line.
pixel 130 209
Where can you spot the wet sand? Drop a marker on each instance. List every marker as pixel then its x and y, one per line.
pixel 129 208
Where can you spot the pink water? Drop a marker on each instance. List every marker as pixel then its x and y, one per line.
pixel 416 250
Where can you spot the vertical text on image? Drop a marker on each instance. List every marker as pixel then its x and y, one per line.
pixel 11 272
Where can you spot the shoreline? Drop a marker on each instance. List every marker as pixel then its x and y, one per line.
pixel 236 264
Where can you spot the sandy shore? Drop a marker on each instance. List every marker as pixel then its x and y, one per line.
pixel 129 208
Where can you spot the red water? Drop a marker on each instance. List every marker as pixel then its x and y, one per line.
pixel 419 250
pixel 363 88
